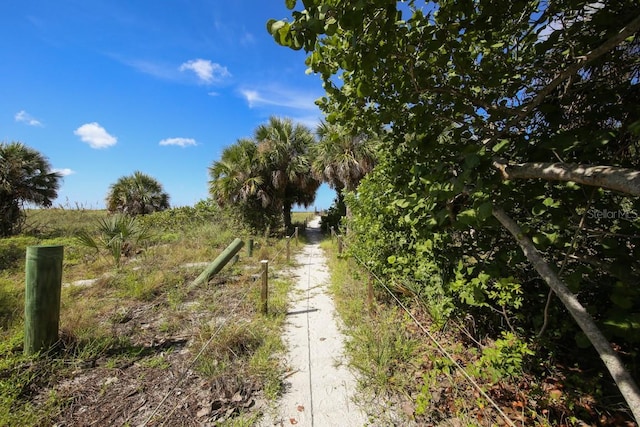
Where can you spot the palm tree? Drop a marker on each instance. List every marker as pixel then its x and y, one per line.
pixel 284 149
pixel 118 235
pixel 237 177
pixel 25 177
pixel 239 180
pixel 137 194
pixel 340 159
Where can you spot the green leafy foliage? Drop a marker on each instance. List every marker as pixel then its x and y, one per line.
pixel 333 217
pixel 137 194
pixel 118 236
pixel 457 84
pixel 504 358
pixel 25 177
pixel 263 177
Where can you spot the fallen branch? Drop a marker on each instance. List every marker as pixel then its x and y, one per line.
pixel 610 177
pixel 621 376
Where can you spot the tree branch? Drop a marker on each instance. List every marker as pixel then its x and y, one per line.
pixel 621 376
pixel 630 29
pixel 609 177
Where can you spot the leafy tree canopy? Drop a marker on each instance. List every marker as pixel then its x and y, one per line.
pixel 25 177
pixel 341 159
pixel 266 175
pixel 137 194
pixel 524 108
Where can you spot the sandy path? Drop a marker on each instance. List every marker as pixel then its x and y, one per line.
pixel 320 389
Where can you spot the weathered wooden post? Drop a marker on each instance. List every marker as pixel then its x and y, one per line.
pixel 250 248
pixel 333 233
pixel 288 248
pixel 43 277
pixel 264 291
pixel 339 245
pixel 296 233
pixel 219 262
pixel 370 293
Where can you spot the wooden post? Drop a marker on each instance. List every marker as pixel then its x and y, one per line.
pixel 250 248
pixel 264 291
pixel 370 293
pixel 339 245
pixel 288 249
pixel 43 275
pixel 296 236
pixel 333 233
pixel 219 263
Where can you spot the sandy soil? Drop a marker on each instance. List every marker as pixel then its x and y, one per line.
pixel 320 388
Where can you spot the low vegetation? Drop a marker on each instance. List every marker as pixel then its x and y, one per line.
pixel 137 344
pixel 424 369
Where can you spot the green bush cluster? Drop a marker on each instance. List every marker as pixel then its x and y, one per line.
pixel 333 216
pixel 461 263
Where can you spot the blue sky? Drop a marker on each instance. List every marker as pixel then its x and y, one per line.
pixel 103 88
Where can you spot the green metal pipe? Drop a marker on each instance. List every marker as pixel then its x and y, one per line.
pixel 43 285
pixel 219 263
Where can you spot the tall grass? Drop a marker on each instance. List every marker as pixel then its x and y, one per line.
pixel 379 344
pixel 395 359
pixel 101 321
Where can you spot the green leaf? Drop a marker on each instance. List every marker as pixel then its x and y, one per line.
pixel 467 217
pixel 363 90
pixel 622 301
pixel 402 203
pixel 274 25
pixel 552 237
pixel 330 26
pixel 290 4
pixel 500 145
pixel 540 239
pixel 538 210
pixel 391 259
pixel 484 211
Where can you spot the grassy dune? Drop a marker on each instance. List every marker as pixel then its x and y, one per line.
pixel 142 327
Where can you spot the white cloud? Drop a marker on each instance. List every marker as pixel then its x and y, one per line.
pixel 64 171
pixel 24 117
pixel 155 69
pixel 252 97
pixel 95 135
pixel 207 71
pixel 181 142
pixel 281 98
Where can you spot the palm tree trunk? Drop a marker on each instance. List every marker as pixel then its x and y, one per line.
pixel 340 200
pixel 286 215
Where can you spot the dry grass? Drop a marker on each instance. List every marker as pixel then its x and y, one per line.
pixel 141 326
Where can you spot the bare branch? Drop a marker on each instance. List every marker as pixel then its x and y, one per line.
pixel 629 30
pixel 621 376
pixel 609 177
pixel 610 44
